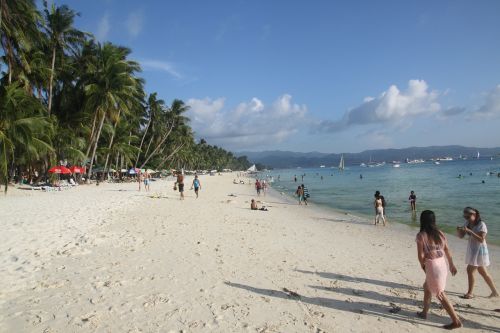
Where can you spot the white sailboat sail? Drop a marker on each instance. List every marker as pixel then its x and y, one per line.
pixel 477 155
pixel 341 164
pixel 253 168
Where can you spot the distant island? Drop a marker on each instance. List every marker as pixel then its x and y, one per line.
pixel 289 159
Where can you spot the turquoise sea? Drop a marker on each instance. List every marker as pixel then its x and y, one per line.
pixel 437 187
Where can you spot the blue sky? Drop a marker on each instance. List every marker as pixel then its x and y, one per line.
pixel 330 76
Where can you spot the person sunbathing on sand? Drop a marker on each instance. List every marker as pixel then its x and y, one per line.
pixel 253 206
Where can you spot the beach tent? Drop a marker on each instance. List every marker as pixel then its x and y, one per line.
pixel 60 170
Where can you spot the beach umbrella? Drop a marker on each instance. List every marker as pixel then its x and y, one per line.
pixel 76 169
pixel 133 171
pixel 60 170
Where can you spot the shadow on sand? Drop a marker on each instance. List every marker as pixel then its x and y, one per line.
pixel 395 307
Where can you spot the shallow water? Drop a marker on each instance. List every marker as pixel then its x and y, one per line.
pixel 437 187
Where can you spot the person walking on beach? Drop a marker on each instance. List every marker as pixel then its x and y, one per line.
pixel 180 183
pixel 305 193
pixel 196 185
pixel 477 257
pixel 379 209
pixel 433 249
pixel 258 187
pixel 413 201
pixel 300 194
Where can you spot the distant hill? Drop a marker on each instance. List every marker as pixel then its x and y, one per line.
pixel 289 159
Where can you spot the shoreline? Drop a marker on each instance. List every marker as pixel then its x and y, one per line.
pixel 449 231
pixel 115 259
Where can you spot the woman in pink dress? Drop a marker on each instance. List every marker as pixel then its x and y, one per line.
pixel 432 249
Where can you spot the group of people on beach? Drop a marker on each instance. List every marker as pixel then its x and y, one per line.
pixel 435 259
pixel 261 186
pixel 179 184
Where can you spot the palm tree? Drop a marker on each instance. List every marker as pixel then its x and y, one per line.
pixel 24 129
pixel 19 21
pixel 111 88
pixel 62 35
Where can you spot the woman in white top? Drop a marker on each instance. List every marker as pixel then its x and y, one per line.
pixel 477 251
pixel 379 209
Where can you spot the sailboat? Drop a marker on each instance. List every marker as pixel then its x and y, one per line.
pixel 477 155
pixel 341 164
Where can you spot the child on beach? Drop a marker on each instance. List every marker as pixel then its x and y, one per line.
pixel 413 201
pixel 432 249
pixel 300 194
pixel 147 181
pixel 197 185
pixel 477 257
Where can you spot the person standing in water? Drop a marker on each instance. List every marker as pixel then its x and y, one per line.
pixel 180 183
pixel 477 257
pixel 379 209
pixel 197 185
pixel 413 201
pixel 432 250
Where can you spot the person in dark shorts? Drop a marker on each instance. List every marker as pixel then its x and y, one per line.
pixel 180 184
pixel 197 185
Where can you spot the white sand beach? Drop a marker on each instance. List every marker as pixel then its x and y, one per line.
pixel 111 259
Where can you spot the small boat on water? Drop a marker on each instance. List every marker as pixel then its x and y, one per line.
pixel 415 161
pixel 445 159
pixel 341 164
pixel 321 166
pixel 396 165
pixel 363 165
pixel 436 162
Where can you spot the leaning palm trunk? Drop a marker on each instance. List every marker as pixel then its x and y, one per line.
pixel 176 149
pixel 111 141
pixel 158 146
pixel 91 136
pixel 51 81
pixel 142 141
pixel 95 146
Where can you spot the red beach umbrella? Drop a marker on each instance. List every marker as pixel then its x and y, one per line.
pixel 76 169
pixel 60 170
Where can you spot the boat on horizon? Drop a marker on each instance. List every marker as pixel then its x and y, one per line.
pixel 322 166
pixel 415 161
pixel 445 159
pixel 341 164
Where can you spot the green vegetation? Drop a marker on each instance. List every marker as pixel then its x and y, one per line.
pixel 65 96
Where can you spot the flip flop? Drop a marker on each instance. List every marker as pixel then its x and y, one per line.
pixel 467 296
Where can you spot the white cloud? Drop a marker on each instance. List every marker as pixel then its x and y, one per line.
pixel 491 106
pixel 164 66
pixel 103 28
pixel 249 123
pixel 134 23
pixel 392 106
